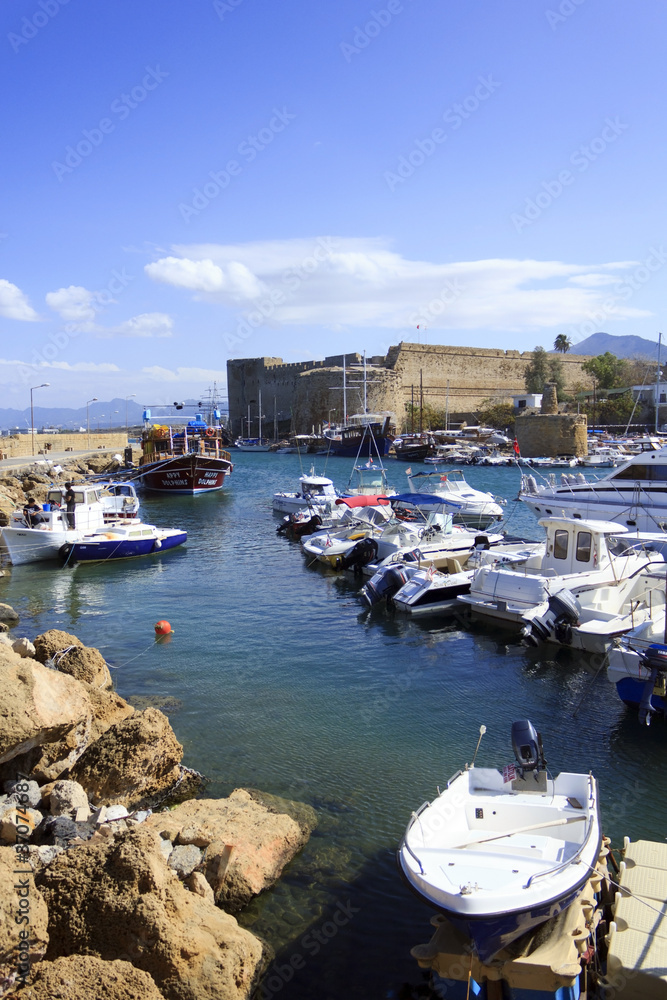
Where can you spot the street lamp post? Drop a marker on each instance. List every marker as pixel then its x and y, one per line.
pixel 99 417
pixel 126 399
pixel 93 400
pixel 111 416
pixel 44 385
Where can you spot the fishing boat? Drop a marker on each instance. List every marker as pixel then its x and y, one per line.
pixel 501 852
pixel 413 447
pixel 584 588
pixel 190 459
pixel 424 590
pixel 470 506
pixel 258 443
pixel 122 541
pixel 348 439
pixel 315 492
pixel 23 543
pixel 634 494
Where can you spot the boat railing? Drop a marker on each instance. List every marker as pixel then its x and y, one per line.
pixel 570 861
pixel 415 818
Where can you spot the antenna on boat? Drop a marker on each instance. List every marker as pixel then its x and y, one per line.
pixel 482 730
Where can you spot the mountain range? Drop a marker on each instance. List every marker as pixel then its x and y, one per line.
pixel 102 414
pixel 623 347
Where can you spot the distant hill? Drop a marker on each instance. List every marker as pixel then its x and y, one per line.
pixel 622 347
pixel 110 413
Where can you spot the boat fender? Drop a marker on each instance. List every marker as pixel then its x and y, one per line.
pixel 158 543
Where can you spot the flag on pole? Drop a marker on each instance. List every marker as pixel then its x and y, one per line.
pixel 517 450
pixel 408 472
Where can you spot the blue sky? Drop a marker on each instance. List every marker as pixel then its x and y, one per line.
pixel 188 182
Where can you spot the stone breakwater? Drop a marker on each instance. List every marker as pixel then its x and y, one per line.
pixel 114 881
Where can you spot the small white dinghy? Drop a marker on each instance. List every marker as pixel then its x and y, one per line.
pixel 502 853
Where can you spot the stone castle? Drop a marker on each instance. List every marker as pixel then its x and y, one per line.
pixel 301 396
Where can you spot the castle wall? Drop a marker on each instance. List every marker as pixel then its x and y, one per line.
pixel 320 390
pixel 473 374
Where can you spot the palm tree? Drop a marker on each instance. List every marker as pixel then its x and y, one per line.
pixel 562 343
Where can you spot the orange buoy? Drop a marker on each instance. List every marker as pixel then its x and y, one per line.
pixel 163 628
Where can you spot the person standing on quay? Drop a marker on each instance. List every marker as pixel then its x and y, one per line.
pixel 70 503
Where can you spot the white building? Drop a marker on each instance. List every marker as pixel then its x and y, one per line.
pixel 527 400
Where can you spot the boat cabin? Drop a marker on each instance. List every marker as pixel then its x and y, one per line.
pixel 88 513
pixel 578 546
pixel 317 486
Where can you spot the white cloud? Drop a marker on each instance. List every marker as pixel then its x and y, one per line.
pixel 14 304
pixel 144 325
pixel 184 374
pixel 73 304
pixel 355 282
pixel 234 281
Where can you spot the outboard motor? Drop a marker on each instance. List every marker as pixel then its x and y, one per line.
pixel 527 746
pixel 653 659
pixel 562 613
pixel 386 582
pixel 361 554
pixel 482 542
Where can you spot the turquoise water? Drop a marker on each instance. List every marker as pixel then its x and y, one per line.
pixel 285 684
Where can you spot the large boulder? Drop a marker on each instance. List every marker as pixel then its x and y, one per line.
pixel 37 705
pixel 133 763
pixel 7 615
pixel 47 762
pixel 18 897
pixel 69 655
pixel 84 977
pixel 247 843
pixel 119 900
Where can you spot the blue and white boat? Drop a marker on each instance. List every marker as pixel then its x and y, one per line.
pixel 638 667
pixel 500 853
pixel 123 541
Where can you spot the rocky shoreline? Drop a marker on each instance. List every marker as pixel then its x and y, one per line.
pixel 115 880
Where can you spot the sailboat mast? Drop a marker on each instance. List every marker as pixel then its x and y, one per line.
pixel 275 420
pixel 344 392
pixel 259 417
pixel 657 385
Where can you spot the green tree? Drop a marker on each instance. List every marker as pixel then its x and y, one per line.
pixel 537 371
pixel 543 369
pixel 562 343
pixel 428 418
pixel 609 371
pixel 493 413
pixel 615 409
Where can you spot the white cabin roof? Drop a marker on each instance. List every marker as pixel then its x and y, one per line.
pixel 599 527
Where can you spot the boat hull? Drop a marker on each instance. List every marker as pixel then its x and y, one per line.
pixel 26 545
pixel 185 474
pixel 105 549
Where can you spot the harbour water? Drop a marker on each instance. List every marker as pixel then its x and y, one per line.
pixel 276 678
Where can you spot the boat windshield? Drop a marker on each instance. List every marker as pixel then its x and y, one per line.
pixel 651 473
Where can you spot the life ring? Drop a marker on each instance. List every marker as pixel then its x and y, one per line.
pixel 210 432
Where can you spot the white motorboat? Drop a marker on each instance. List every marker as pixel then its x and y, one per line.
pixel 420 529
pixel 415 589
pixel 24 544
pixel 584 562
pixel 637 666
pixel 315 493
pixel 634 495
pixel 469 506
pixel 363 518
pixel 501 852
pixel 370 480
